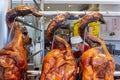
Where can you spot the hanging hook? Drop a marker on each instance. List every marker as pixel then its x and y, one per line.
pixel 22 1
pixel 10 34
pixel 84 39
pixel 53 41
pixel 85 12
pixel 107 11
pixel 57 12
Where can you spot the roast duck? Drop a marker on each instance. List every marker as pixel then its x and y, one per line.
pixel 97 63
pixel 58 64
pixel 13 64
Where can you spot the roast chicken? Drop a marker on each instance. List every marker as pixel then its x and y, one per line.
pixel 97 63
pixel 13 64
pixel 59 64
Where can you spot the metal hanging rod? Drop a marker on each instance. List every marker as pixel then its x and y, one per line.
pixel 34 54
pixel 35 72
pixel 104 13
pixel 37 5
pixel 116 73
pixel 74 1
pixel 82 2
pixel 21 21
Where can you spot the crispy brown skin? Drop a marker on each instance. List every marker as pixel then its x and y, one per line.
pixel 13 64
pixel 20 10
pixel 58 64
pixel 55 24
pixel 97 63
pixel 14 54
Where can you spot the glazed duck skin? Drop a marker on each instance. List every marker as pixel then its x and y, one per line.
pixel 58 64
pixel 97 63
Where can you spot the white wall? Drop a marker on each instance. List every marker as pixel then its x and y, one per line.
pixel 4 5
pixel 110 7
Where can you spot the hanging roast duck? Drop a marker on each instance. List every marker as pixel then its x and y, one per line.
pixel 97 63
pixel 59 64
pixel 13 64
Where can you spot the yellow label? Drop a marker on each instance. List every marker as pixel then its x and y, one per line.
pixel 94 28
pixel 76 28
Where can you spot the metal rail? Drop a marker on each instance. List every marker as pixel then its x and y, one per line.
pixel 80 13
pixel 117 73
pixel 104 13
pixel 34 54
pixel 21 21
pixel 74 1
pixel 37 5
pixel 82 2
pixel 36 72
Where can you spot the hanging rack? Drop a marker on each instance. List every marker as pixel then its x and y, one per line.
pixel 82 2
pixel 116 73
pixel 104 13
pixel 34 54
pixel 37 5
pixel 21 21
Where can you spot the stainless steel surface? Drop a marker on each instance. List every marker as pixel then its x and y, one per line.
pixel 26 23
pixel 75 1
pixel 36 72
pixel 104 13
pixel 31 56
pixel 82 2
pixel 4 5
pixel 37 5
pixel 31 64
pixel 117 73
pixel 111 48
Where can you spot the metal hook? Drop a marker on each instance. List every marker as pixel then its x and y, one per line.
pixel 11 30
pixel 53 41
pixel 85 12
pixel 22 18
pixel 107 11
pixel 84 39
pixel 22 1
pixel 57 12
